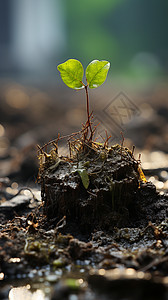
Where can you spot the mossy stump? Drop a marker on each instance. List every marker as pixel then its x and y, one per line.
pixel 113 177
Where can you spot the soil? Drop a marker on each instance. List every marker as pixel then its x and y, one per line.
pixel 116 252
pixel 88 241
pixel 118 194
pixel 33 247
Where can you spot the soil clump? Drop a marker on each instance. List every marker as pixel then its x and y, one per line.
pixel 99 187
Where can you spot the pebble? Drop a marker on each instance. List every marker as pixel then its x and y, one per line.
pixel 15 203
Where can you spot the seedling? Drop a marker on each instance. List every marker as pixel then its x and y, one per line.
pixel 110 175
pixel 72 75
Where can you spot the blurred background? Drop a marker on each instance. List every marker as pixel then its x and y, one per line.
pixel 37 35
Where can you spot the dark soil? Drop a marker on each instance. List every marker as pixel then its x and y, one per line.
pixel 118 195
pixel 139 254
pixel 112 250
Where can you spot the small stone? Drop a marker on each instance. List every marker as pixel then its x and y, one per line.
pixel 15 203
pixel 52 278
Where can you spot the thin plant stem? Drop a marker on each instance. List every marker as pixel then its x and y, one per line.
pixel 88 113
pixel 87 102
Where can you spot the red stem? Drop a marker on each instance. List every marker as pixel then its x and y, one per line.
pixel 87 103
pixel 88 113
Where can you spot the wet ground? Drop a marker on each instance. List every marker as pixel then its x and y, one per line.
pixel 47 259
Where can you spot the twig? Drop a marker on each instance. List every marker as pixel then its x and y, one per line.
pixel 23 189
pixel 154 263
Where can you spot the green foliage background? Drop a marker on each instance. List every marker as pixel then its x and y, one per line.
pixel 117 30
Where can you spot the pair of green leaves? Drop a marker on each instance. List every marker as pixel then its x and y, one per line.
pixel 72 73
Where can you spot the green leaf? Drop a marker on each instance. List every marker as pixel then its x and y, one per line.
pixel 84 176
pixel 72 73
pixel 96 73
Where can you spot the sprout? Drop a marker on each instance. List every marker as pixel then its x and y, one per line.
pixel 72 75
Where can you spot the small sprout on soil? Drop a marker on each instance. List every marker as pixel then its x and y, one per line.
pixel 72 75
pixel 59 263
pixel 73 284
pixel 95 185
